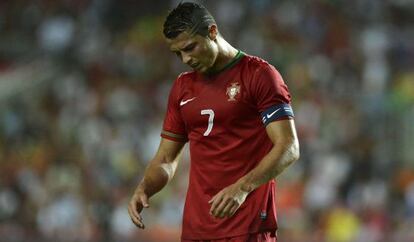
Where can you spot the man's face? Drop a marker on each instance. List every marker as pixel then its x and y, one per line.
pixel 198 52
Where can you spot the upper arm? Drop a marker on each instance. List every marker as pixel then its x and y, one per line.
pixel 174 127
pixel 283 132
pixel 269 89
pixel 271 95
pixel 168 150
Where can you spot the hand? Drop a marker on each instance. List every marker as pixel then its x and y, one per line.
pixel 138 201
pixel 227 201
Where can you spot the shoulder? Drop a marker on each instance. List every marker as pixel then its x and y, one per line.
pixel 257 67
pixel 185 77
pixel 255 63
pixel 181 83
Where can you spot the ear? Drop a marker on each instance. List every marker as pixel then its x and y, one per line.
pixel 212 32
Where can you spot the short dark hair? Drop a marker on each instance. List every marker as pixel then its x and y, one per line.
pixel 188 16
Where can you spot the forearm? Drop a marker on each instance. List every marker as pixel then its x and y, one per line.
pixel 273 164
pixel 156 176
pixel 161 168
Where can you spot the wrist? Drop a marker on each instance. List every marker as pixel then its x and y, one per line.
pixel 140 188
pixel 246 186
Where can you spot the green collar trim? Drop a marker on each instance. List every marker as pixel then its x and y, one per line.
pixel 232 63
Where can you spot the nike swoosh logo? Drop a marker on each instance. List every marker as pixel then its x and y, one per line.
pixel 182 103
pixel 271 114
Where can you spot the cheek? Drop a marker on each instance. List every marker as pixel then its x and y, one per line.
pixel 209 55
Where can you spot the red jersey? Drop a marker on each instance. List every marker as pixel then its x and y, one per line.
pixel 222 117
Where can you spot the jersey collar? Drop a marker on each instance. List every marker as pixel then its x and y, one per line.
pixel 229 65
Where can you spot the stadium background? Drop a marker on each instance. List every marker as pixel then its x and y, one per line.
pixel 83 88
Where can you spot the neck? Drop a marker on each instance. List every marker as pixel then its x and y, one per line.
pixel 226 54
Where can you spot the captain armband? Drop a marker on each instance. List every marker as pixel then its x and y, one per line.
pixel 276 112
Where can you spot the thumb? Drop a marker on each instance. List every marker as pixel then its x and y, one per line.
pixel 144 200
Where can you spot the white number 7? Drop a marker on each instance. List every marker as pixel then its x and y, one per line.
pixel 210 114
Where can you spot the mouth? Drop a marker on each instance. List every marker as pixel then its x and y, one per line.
pixel 194 66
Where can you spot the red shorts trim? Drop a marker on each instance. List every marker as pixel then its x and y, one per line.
pixel 259 237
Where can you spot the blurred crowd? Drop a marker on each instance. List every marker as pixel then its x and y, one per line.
pixel 83 91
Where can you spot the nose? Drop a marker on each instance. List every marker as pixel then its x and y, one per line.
pixel 186 58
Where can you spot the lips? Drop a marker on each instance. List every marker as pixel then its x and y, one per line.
pixel 194 66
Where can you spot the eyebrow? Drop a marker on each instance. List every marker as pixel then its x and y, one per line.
pixel 184 48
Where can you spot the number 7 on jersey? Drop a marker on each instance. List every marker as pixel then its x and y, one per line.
pixel 210 114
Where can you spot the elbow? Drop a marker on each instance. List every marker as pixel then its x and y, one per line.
pixel 295 150
pixel 292 153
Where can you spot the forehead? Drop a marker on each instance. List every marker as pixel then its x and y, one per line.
pixel 182 40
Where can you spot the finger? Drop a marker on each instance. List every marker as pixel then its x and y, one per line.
pixel 136 220
pixel 216 202
pixel 138 223
pixel 226 210
pixel 220 207
pixel 144 200
pixel 133 212
pixel 135 208
pixel 233 210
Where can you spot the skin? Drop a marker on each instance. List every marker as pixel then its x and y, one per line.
pixel 284 152
pixel 158 173
pixel 205 55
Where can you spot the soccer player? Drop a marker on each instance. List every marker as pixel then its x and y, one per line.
pixel 234 110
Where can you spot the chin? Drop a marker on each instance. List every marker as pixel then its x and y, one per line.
pixel 201 70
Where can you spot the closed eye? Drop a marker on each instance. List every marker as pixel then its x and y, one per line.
pixel 189 47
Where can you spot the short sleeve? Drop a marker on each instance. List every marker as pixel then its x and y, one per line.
pixel 174 126
pixel 271 95
pixel 269 88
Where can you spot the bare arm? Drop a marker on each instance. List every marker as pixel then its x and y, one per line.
pixel 284 152
pixel 158 173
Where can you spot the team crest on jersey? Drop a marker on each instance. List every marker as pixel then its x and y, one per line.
pixel 232 91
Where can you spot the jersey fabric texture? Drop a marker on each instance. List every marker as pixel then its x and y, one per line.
pixel 259 237
pixel 220 116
